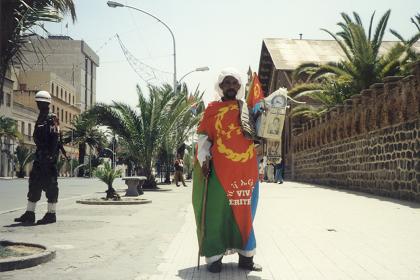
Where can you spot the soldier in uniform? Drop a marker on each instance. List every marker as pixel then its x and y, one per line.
pixel 43 176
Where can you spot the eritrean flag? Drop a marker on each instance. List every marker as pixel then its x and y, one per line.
pixel 232 193
pixel 255 93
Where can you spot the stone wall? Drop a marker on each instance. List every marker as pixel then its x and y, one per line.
pixel 370 144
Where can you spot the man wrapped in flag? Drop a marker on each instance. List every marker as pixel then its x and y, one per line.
pixel 225 191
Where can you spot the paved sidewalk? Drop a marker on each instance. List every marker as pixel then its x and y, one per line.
pixel 302 231
pixel 306 232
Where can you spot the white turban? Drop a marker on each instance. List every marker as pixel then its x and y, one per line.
pixel 234 73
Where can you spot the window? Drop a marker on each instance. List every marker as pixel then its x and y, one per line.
pixel 62 114
pixel 73 99
pixel 56 91
pixel 8 100
pixel 22 128
pixel 29 130
pixel 66 117
pixel 58 113
pixel 61 93
pixel 52 88
pixel 53 108
pixel 65 96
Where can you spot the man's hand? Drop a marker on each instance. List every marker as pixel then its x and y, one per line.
pixel 205 168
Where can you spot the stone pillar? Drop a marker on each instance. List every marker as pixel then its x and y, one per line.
pixel 409 96
pixel 340 122
pixel 357 113
pixel 381 120
pixel 369 113
pixel 348 120
pixel 393 99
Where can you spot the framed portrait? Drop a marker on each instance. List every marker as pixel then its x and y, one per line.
pixel 273 149
pixel 271 123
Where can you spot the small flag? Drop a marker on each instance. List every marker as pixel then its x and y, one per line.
pixel 255 92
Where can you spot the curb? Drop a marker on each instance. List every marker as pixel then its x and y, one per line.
pixel 114 202
pixel 26 261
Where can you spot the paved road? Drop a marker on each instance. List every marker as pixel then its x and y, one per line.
pixel 13 192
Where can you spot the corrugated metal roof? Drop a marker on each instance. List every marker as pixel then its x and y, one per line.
pixel 288 54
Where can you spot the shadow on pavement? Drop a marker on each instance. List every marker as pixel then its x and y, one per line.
pixel 408 203
pixel 228 270
pixel 19 225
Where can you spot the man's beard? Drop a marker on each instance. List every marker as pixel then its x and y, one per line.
pixel 230 94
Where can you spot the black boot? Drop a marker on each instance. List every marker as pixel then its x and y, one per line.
pixel 48 218
pixel 248 263
pixel 27 217
pixel 215 267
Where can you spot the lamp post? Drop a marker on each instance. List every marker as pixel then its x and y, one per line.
pixel 114 4
pixel 199 69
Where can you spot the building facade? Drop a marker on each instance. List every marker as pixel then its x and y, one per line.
pixel 73 60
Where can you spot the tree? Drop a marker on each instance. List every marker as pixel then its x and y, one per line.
pixel 85 133
pixel 107 174
pixel 362 65
pixel 22 157
pixel 326 85
pixel 18 21
pixel 159 118
pixel 408 43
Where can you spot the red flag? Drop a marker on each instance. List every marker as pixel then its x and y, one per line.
pixel 255 92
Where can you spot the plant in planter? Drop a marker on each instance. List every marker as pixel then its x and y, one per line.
pixel 107 174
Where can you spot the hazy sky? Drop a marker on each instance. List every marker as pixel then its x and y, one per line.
pixel 212 33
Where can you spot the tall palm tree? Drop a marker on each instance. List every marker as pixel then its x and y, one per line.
pixel 18 21
pixel 85 133
pixel 362 65
pixel 160 116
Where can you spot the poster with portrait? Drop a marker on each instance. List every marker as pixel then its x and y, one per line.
pixel 270 124
pixel 273 149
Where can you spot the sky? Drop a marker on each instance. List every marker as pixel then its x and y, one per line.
pixel 215 33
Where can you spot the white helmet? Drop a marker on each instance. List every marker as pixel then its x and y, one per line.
pixel 43 96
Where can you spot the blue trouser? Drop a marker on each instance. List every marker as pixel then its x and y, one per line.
pixel 278 177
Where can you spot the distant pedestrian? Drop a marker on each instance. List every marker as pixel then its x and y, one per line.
pixel 279 171
pixel 179 171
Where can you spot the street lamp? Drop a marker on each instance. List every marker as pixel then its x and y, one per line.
pixel 199 69
pixel 113 4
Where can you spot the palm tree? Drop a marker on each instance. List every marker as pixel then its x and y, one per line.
pixel 408 43
pixel 22 157
pixel 107 174
pixel 85 133
pixel 363 65
pixel 326 85
pixel 18 22
pixel 159 119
